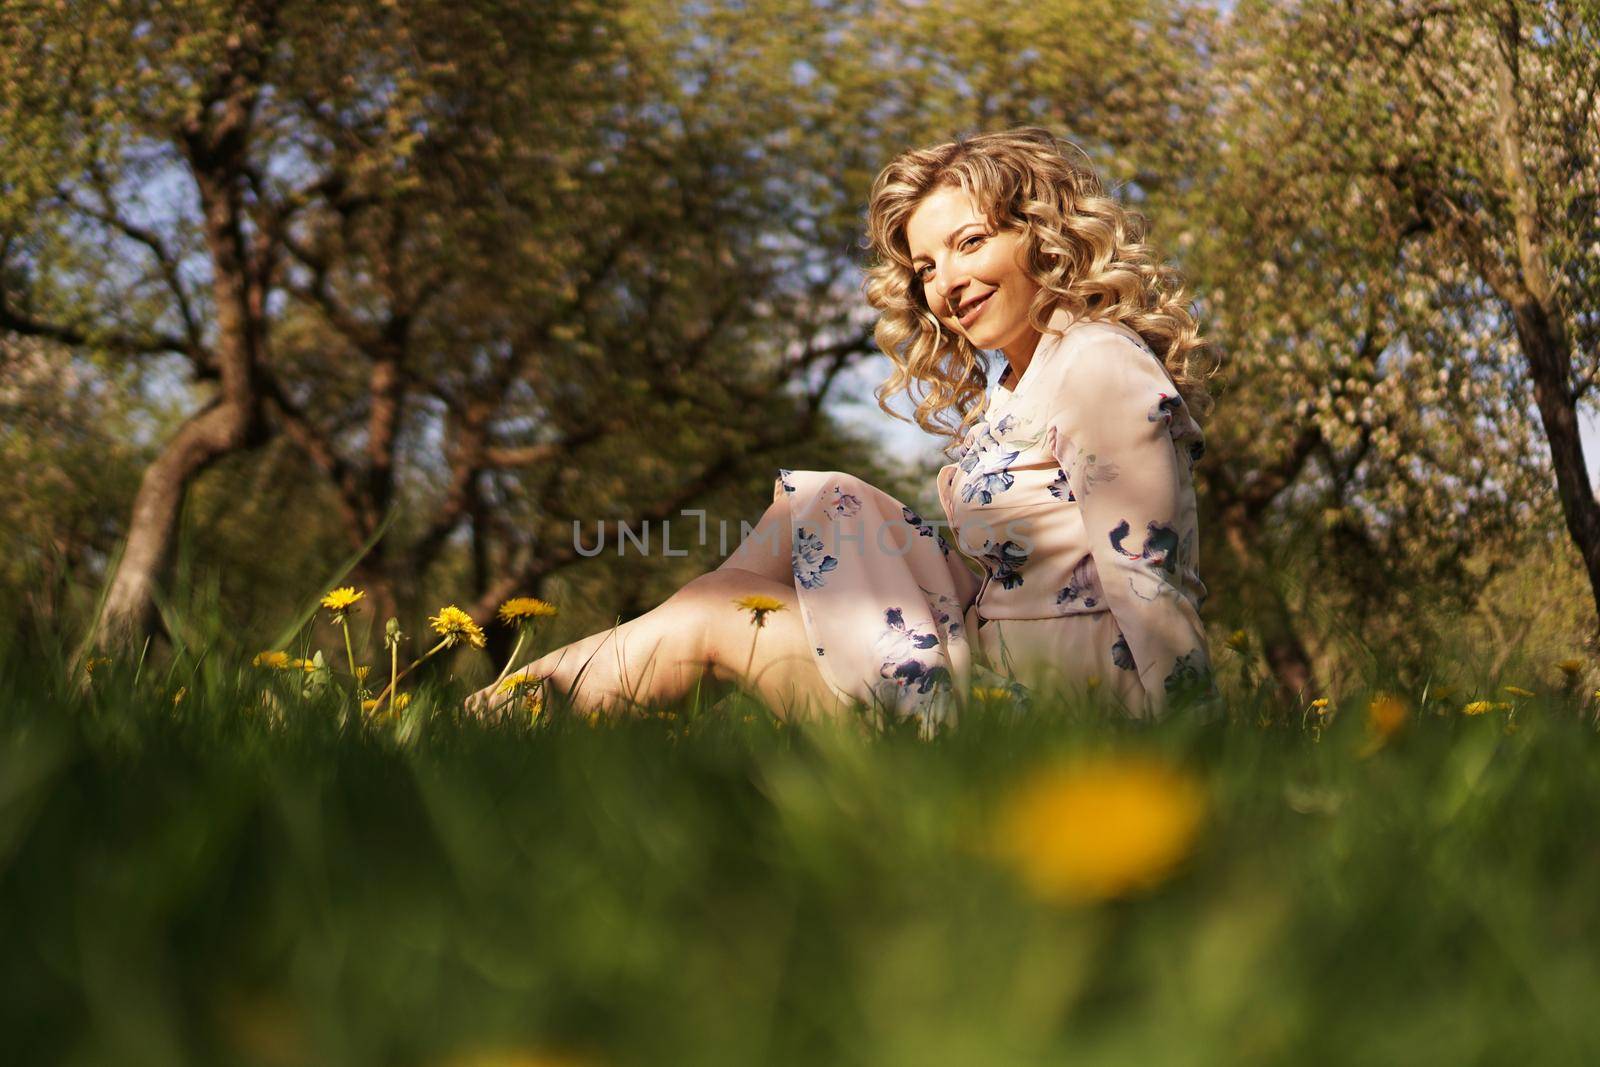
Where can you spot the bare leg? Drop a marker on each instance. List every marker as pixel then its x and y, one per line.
pixel 768 551
pixel 662 654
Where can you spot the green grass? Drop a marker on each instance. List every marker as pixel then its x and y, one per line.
pixel 208 884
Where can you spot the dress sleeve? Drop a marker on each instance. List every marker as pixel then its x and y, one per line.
pixel 1111 414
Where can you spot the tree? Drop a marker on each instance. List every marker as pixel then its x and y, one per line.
pixel 1461 140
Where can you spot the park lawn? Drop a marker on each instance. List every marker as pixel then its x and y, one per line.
pixel 219 880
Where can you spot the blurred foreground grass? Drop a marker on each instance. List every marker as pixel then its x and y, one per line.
pixel 209 882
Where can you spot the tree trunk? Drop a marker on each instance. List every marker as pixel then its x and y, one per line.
pixel 129 610
pixel 230 423
pixel 1550 366
pixel 1530 297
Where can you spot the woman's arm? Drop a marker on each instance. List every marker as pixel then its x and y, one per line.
pixel 1114 404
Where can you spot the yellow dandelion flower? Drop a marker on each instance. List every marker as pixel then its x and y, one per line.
pixel 1442 692
pixel 520 608
pixel 369 705
pixel 1238 640
pixel 759 605
pixel 401 700
pixel 275 660
pixel 1477 707
pixel 307 665
pixel 454 625
pixel 990 693
pixel 1320 705
pixel 1386 715
pixel 94 662
pixel 1517 690
pixel 1098 829
pixel 342 600
pixel 1094 683
pixel 518 682
pixel 362 672
pixel 1570 667
pixel 177 698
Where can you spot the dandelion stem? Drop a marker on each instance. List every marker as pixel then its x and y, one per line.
pixel 395 680
pixel 522 635
pixel 751 658
pixel 394 674
pixel 349 654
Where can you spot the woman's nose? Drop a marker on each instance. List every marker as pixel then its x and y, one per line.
pixel 946 287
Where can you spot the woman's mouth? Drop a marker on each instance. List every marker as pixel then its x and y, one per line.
pixel 971 314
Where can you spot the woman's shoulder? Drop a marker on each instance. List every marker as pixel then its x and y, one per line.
pixel 1083 335
pixel 1097 353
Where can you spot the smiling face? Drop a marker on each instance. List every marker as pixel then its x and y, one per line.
pixel 972 274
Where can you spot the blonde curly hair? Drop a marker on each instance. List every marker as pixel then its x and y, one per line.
pixel 1085 250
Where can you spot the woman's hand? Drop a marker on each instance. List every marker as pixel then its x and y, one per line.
pixel 499 694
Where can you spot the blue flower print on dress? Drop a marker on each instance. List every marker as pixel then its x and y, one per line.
pixel 946 614
pixel 1190 671
pixel 1061 487
pixel 925 529
pixel 988 463
pixel 843 504
pixel 1161 546
pixel 1164 409
pixel 899 664
pixel 1080 585
pixel 810 562
pixel 1005 560
pixel 1121 654
pixel 783 477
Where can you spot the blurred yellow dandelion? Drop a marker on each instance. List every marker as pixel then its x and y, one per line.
pixel 1570 667
pixel 362 672
pixel 990 693
pixel 1098 828
pixel 1480 707
pixel 1386 716
pixel 401 700
pixel 1320 705
pixel 454 625
pixel 1517 690
pixel 94 662
pixel 1238 641
pixel 521 608
pixel 1094 682
pixel 760 606
pixel 342 600
pixel 276 660
pixel 177 698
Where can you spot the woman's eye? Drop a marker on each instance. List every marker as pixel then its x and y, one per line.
pixel 974 237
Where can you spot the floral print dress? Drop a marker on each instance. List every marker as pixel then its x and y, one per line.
pixel 1073 495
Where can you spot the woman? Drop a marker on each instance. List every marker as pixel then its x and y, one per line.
pixel 1070 486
